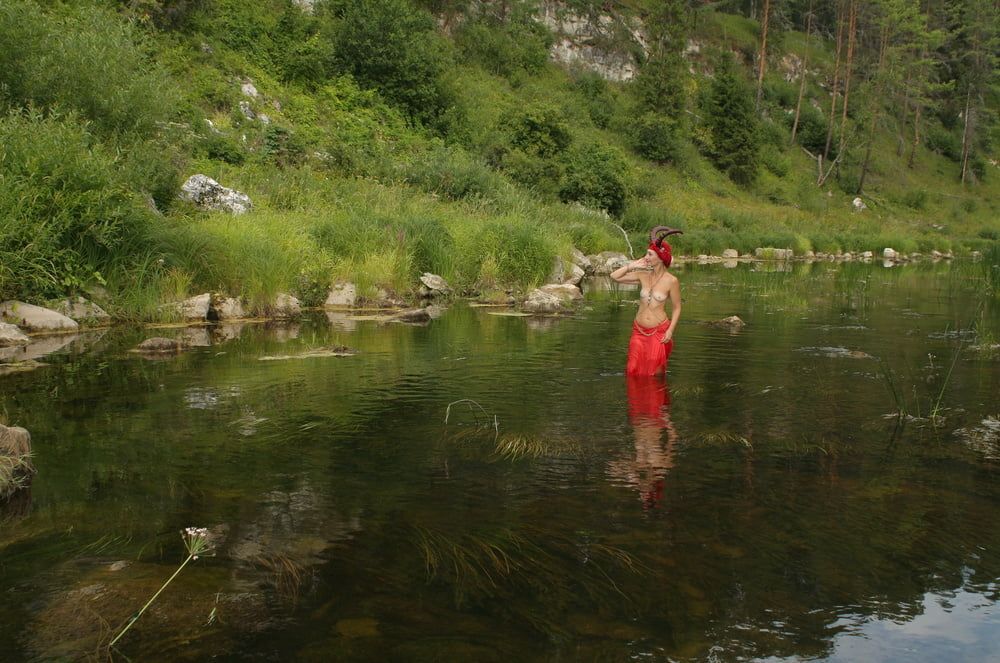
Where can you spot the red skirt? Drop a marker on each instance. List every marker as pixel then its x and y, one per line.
pixel 646 354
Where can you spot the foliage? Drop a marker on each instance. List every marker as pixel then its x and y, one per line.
pixel 732 122
pixel 505 47
pixel 596 176
pixel 657 137
pixel 67 212
pixel 392 47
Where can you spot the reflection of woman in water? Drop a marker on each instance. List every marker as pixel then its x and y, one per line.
pixel 653 330
pixel 649 413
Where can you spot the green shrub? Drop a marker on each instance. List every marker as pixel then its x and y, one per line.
pixel 532 172
pixel 775 161
pixel 393 47
pixel 67 212
pixel 223 148
pixel 915 198
pixel 515 252
pixel 453 174
pixel 84 59
pixel 732 122
pixel 597 96
pixel 539 129
pixel 657 137
pixel 283 146
pixel 596 176
pixel 811 133
pixel 942 141
pixel 520 43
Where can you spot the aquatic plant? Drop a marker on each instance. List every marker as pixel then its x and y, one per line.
pixel 197 544
pixel 14 473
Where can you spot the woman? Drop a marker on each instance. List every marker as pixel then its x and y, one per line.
pixel 653 330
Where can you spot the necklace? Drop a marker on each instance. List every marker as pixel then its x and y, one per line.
pixel 649 297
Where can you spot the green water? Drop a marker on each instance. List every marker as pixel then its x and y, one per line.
pixel 759 506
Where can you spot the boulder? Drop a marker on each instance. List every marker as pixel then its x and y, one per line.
pixel 248 89
pixel 286 306
pixel 729 254
pixel 540 301
pixel 581 261
pixel 226 308
pixel 889 254
pixel 771 253
pixel 867 255
pixel 247 110
pixel 35 318
pixel 206 193
pixel 193 309
pixel 412 315
pixel 566 292
pixel 859 205
pixel 562 272
pixel 432 285
pixel 342 294
pixel 159 345
pixel 732 322
pixel 81 310
pixel 608 261
pixel 12 335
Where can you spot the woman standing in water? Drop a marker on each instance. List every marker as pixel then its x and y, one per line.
pixel 653 330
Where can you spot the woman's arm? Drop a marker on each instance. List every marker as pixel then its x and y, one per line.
pixel 675 310
pixel 627 273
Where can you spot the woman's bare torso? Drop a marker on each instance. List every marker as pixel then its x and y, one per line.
pixel 654 292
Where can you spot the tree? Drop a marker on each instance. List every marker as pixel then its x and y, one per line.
pixel 802 71
pixel 393 47
pixel 762 56
pixel 732 122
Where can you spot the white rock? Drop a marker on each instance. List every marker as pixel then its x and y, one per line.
pixel 194 309
pixel 342 294
pixel 859 205
pixel 435 284
pixel 730 253
pixel 249 90
pixel 209 194
pixel 566 292
pixel 867 255
pixel 542 302
pixel 81 310
pixel 287 306
pixel 35 318
pixel 581 261
pixel 247 110
pixel 226 308
pixel 12 335
pixel 889 254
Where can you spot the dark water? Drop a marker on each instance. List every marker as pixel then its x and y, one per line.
pixel 759 506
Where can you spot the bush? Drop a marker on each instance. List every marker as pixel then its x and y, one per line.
pixel 393 47
pixel 942 141
pixel 657 138
pixel 732 123
pixel 775 161
pixel 504 48
pixel 915 198
pixel 596 176
pixel 83 59
pixel 597 95
pixel 67 212
pixel 540 129
pixel 514 253
pixel 811 133
pixel 453 174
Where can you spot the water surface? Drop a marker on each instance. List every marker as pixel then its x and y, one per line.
pixel 759 504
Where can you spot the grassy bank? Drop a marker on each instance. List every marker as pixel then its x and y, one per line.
pixel 473 158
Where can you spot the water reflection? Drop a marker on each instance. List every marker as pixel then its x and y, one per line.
pixel 655 439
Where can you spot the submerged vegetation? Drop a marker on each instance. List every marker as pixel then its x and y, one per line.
pixel 380 139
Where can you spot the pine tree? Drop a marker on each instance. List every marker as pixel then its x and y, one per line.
pixel 732 122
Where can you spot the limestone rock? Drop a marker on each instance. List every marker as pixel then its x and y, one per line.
pixel 226 308
pixel 35 318
pixel 193 309
pixel 412 315
pixel 247 110
pixel 566 292
pixel 12 335
pixel 159 345
pixel 867 255
pixel 565 273
pixel 249 90
pixel 771 253
pixel 732 322
pixel 889 254
pixel 608 261
pixel 81 310
pixel 730 254
pixel 287 306
pixel 433 285
pixel 342 294
pixel 206 193
pixel 14 441
pixel 581 261
pixel 859 205
pixel 540 301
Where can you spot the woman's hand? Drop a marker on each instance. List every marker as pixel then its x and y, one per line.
pixel 667 336
pixel 639 265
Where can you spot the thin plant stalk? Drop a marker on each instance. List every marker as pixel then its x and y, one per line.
pixel 137 615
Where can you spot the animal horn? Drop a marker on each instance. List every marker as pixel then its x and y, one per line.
pixel 659 233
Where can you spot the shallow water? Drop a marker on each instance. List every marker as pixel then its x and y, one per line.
pixel 759 506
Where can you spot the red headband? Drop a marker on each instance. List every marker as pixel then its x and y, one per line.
pixel 662 250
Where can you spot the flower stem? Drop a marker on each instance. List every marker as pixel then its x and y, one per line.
pixel 137 615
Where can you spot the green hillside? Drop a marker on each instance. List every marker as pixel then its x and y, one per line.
pixel 379 139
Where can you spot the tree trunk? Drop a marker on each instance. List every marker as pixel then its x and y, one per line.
pixel 965 133
pixel 916 137
pixel 836 81
pixel 876 106
pixel 852 23
pixel 802 74
pixel 762 64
